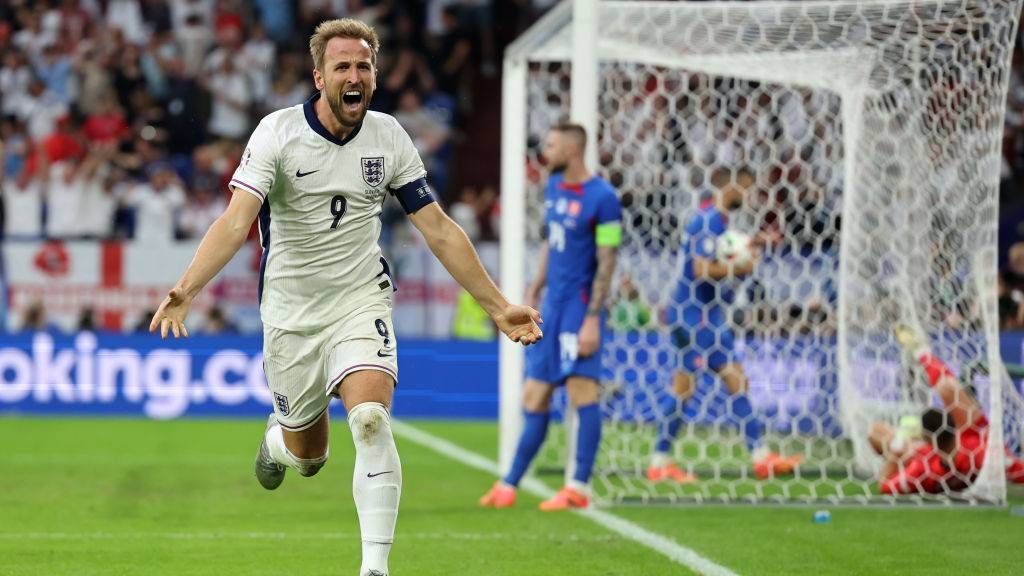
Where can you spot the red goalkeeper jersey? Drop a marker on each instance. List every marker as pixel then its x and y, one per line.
pixel 928 472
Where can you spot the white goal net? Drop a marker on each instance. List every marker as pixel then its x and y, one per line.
pixel 874 129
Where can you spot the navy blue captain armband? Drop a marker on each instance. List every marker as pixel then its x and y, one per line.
pixel 414 195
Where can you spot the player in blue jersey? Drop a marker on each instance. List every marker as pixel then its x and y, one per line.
pixel 583 221
pixel 697 316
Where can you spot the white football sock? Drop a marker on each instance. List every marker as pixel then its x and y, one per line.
pixel 579 487
pixel 280 453
pixel 376 483
pixel 760 453
pixel 374 554
pixel 660 459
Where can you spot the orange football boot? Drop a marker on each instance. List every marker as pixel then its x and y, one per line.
pixel 499 496
pixel 670 473
pixel 775 465
pixel 565 499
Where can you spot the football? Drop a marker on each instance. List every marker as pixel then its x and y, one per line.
pixel 733 246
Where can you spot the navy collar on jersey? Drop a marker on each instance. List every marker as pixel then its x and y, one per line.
pixel 309 108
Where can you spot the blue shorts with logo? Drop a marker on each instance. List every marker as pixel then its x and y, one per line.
pixel 702 336
pixel 555 357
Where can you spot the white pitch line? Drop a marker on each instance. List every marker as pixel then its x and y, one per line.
pixel 471 536
pixel 664 546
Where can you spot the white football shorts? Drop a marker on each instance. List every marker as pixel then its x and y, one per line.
pixel 304 368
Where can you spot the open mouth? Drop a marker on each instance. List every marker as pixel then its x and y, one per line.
pixel 351 100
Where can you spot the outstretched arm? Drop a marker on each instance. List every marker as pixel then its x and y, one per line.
pixel 959 401
pixel 709 269
pixel 221 242
pixel 452 247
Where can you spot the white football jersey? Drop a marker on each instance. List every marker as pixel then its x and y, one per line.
pixel 320 221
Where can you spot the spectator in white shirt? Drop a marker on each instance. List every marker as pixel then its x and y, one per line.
pixel 157 204
pixel 40 111
pixel 23 207
pixel 203 208
pixel 32 38
pixel 435 16
pixel 64 199
pixel 231 90
pixel 194 37
pixel 15 78
pixel 258 55
pixel 287 91
pixel 77 203
pixel 126 15
pixel 463 211
pixel 101 188
pixel 427 132
pixel 182 10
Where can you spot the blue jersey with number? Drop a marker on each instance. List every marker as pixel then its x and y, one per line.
pixel 572 214
pixel 700 239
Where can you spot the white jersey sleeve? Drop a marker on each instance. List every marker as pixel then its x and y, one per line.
pixel 255 172
pixel 409 184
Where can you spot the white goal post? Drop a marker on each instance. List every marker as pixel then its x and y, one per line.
pixel 875 129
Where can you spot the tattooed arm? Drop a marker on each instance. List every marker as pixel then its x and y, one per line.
pixel 590 332
pixel 606 259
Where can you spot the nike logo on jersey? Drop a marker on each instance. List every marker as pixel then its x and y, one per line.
pixel 382 354
pixel 368 475
pixel 300 173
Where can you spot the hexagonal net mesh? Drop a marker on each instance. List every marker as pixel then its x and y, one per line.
pixel 873 133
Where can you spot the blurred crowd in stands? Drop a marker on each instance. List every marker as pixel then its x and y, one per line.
pixel 1011 224
pixel 126 118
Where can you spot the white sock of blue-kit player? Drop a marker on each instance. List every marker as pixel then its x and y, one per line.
pixel 376 483
pixel 280 453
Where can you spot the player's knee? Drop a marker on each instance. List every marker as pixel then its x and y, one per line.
pixel 368 421
pixel 534 403
pixel 582 391
pixel 536 397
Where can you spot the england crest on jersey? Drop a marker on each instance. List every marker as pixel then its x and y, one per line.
pixel 373 170
pixel 282 403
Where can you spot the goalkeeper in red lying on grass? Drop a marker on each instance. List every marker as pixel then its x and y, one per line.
pixel 949 452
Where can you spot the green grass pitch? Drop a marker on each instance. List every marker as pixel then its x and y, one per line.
pixel 87 497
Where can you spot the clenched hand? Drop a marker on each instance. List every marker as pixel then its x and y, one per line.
pixel 589 337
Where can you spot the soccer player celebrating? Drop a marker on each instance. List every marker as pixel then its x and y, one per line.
pixel 948 454
pixel 576 265
pixel 317 175
pixel 697 315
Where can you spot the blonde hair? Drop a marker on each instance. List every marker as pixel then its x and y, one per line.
pixel 341 28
